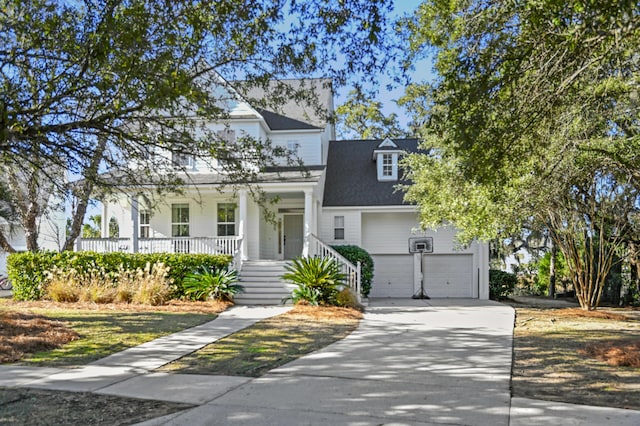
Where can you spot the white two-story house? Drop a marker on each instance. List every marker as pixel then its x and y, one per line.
pixel 344 194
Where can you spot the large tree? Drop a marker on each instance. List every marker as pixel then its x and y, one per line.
pixel 533 122
pixel 89 86
pixel 362 117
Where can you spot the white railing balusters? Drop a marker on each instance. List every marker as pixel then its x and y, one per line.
pixel 196 245
pixel 352 272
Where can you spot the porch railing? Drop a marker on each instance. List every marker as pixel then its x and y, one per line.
pixel 352 272
pixel 197 245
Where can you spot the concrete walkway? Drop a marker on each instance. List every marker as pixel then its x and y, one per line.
pixel 411 362
pixel 122 373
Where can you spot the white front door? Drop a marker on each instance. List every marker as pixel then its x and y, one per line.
pixel 292 238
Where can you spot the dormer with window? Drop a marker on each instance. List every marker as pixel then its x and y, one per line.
pixel 386 157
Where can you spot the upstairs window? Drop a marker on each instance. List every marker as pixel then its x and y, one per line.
pixel 338 227
pixel 182 160
pixel 226 220
pixel 387 165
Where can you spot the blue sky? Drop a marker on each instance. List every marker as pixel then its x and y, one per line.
pixel 423 72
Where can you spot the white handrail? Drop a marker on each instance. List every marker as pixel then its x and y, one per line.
pixel 317 247
pixel 237 257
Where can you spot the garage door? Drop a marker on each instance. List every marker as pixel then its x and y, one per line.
pixel 393 276
pixel 448 275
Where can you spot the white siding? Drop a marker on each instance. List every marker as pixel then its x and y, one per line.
pixel 268 239
pixel 389 233
pixel 352 227
pixel 309 145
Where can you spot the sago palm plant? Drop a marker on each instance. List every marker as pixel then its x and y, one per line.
pixel 207 283
pixel 318 279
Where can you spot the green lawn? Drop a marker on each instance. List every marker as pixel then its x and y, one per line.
pixel 105 332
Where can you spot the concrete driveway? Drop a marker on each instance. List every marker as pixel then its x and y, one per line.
pixel 413 362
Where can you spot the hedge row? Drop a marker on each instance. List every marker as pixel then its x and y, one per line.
pixel 356 254
pixel 27 271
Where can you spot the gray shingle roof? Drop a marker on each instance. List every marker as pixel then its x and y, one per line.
pixel 280 122
pixel 352 178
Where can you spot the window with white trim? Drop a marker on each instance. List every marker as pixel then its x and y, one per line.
pixel 182 160
pixel 338 227
pixel 387 165
pixel 179 220
pixel 145 224
pixel 226 220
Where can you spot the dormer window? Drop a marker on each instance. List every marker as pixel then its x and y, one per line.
pixel 386 158
pixel 387 166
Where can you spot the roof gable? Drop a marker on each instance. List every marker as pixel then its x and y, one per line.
pixel 387 143
pixel 352 178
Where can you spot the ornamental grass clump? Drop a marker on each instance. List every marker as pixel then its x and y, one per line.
pixel 153 285
pixel 149 285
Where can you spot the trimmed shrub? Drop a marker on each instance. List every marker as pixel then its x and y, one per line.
pixel 501 284
pixel 347 299
pixel 355 254
pixel 28 271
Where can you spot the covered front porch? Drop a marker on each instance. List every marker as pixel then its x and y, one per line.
pixel 207 220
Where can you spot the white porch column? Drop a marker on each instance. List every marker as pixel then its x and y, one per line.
pixel 308 218
pixel 135 218
pixel 104 224
pixel 243 222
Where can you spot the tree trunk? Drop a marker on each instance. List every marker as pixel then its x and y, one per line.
pixel 83 195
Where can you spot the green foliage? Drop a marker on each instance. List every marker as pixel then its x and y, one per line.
pixel 501 284
pixel 531 124
pixel 106 72
pixel 28 271
pixel 355 254
pixel 543 272
pixel 304 294
pixel 360 117
pixel 208 283
pixel 318 279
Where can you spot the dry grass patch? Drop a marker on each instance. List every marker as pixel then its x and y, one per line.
pixel 271 343
pixel 561 355
pixel 67 334
pixel 206 307
pixel 615 353
pixel 23 333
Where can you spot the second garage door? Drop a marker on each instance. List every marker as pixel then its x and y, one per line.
pixel 448 275
pixel 393 275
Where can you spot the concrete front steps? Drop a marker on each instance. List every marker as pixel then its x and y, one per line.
pixel 262 283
